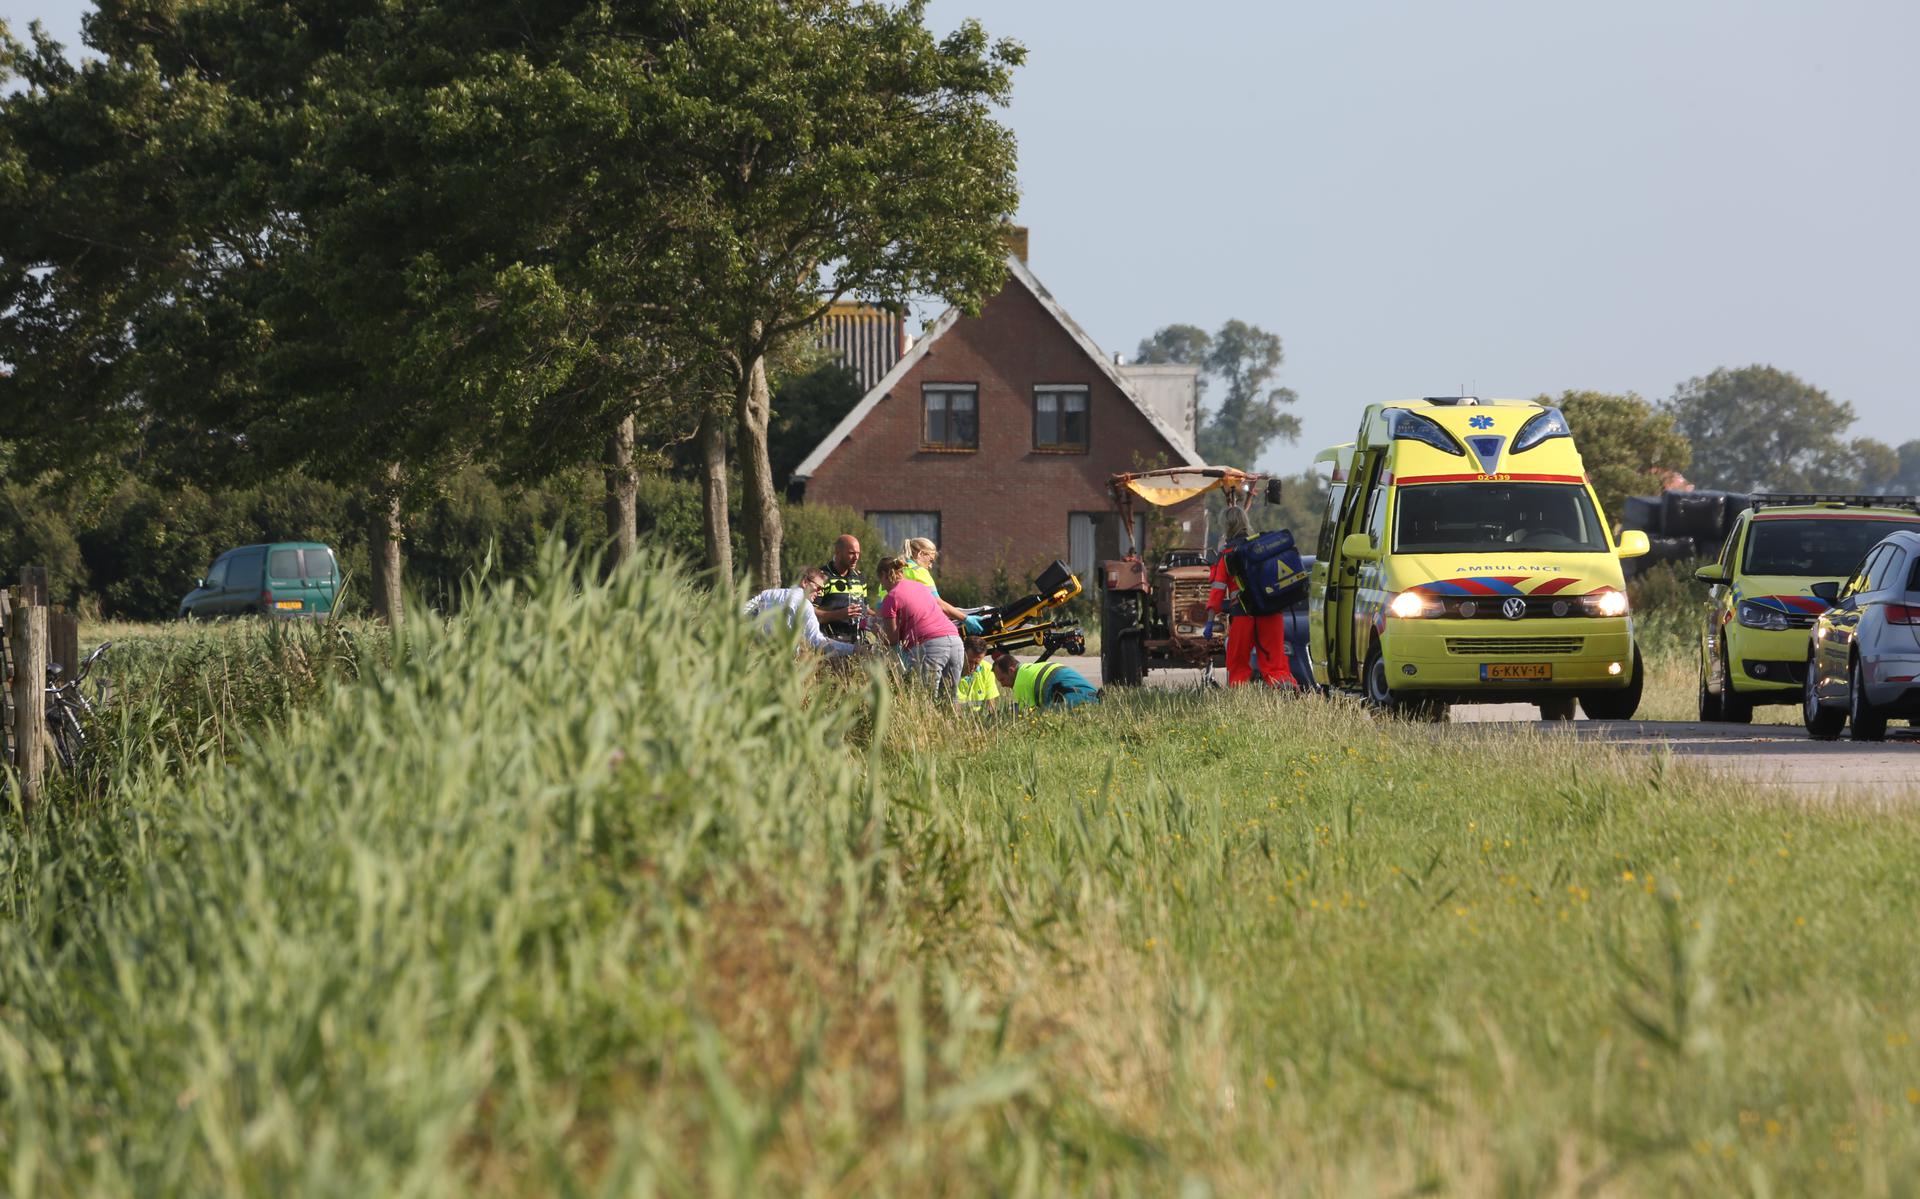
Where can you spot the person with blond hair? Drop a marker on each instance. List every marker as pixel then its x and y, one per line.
pixel 1248 635
pixel 910 617
pixel 918 555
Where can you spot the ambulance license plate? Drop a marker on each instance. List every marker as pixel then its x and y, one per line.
pixel 1499 672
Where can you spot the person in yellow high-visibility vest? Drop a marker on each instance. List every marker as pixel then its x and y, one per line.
pixel 1039 685
pixel 919 554
pixel 978 691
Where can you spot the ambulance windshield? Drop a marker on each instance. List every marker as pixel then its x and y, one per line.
pixel 1461 518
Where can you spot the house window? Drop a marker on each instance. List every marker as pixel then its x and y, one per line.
pixel 896 527
pixel 1060 418
pixel 951 417
pixel 1096 537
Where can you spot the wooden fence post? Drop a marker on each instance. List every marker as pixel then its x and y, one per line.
pixel 33 587
pixel 6 678
pixel 29 637
pixel 63 641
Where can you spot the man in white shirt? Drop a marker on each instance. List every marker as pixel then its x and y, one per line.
pixel 790 609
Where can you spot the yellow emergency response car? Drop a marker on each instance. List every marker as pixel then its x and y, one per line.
pixel 1464 559
pixel 1761 606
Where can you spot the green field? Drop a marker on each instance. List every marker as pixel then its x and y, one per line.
pixel 588 893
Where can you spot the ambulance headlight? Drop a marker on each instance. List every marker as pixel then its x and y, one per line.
pixel 1411 605
pixel 1542 427
pixel 1607 602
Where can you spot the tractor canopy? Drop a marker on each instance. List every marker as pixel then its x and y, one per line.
pixel 1177 485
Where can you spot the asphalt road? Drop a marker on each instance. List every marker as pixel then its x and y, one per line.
pixel 1778 760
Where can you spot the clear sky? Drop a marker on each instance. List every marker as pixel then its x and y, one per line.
pixel 1507 197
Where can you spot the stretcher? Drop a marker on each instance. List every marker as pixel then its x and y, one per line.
pixel 1033 620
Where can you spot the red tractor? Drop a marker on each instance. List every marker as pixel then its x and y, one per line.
pixel 1153 614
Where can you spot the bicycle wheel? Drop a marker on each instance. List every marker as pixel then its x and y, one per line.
pixel 68 741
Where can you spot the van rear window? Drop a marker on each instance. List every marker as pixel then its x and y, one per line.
pixel 1464 518
pixel 319 563
pixel 284 564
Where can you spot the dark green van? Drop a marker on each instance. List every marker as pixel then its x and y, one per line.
pixel 283 578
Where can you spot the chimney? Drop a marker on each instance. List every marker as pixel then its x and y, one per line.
pixel 1017 241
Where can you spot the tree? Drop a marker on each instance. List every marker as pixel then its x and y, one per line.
pixel 1758 428
pixel 98 227
pixel 806 406
pixel 376 241
pixel 1874 470
pixel 1185 344
pixel 814 149
pixel 1907 482
pixel 1242 359
pixel 1626 443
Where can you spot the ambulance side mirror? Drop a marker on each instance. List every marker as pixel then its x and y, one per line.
pixel 1273 491
pixel 1359 547
pixel 1634 543
pixel 1712 572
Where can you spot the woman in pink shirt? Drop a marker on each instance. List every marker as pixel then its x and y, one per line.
pixel 911 618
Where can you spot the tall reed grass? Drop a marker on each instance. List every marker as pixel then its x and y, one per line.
pixel 590 891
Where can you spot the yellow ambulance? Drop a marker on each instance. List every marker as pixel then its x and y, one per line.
pixel 1464 559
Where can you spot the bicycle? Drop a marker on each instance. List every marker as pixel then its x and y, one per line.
pixel 68 706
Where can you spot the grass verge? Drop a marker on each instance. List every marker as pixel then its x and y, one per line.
pixel 586 892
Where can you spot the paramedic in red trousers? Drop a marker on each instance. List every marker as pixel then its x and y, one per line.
pixel 1246 635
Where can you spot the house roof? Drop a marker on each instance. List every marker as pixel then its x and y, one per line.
pixel 1025 276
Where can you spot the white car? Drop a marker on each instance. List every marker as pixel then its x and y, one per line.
pixel 1863 664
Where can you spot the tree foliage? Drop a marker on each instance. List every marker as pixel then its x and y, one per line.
pixel 1247 415
pixel 380 242
pixel 1628 445
pixel 813 149
pixel 807 404
pixel 1759 428
pixel 1907 482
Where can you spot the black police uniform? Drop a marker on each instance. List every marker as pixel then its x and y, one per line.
pixel 838 595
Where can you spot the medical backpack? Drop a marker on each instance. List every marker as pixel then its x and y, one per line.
pixel 1269 572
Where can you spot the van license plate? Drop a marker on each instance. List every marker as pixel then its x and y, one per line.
pixel 1494 672
pixel 287 605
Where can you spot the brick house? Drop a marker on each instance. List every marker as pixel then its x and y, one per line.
pixel 994 435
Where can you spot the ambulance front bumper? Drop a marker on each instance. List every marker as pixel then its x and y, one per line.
pixel 1513 661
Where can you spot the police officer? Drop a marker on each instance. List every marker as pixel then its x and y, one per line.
pixel 1043 684
pixel 844 594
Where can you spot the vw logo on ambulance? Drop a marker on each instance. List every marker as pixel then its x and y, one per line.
pixel 1514 608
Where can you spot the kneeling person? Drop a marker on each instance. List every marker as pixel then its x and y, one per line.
pixel 979 691
pixel 1043 684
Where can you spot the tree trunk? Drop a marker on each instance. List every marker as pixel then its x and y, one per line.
pixel 623 516
pixel 713 495
pixel 384 542
pixel 760 503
